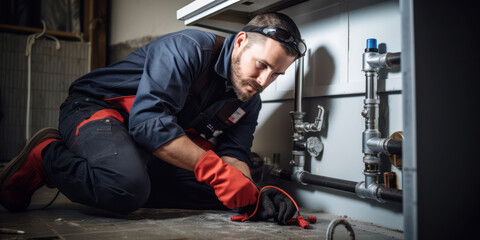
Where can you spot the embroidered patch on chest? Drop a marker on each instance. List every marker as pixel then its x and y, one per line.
pixel 237 115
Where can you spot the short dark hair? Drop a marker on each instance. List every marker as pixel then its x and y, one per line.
pixel 274 19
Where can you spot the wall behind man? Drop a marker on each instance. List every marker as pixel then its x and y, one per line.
pixel 336 32
pixel 135 23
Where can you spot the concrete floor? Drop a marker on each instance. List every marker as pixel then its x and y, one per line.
pixel 67 220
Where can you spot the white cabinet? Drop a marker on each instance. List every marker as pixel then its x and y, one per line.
pixel 228 15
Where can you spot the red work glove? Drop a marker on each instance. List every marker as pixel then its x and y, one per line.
pixel 232 188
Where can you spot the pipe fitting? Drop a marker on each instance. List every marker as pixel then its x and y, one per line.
pixel 297 174
pixel 297 116
pixel 373 61
pixel 308 127
pixel 299 145
pixel 372 191
pixel 384 60
pixel 297 123
pixel 298 160
pixel 378 145
pixel 314 146
pixel 299 126
pixel 371 159
pixel 377 61
pixel 366 136
pixel 317 125
pixel 386 146
pixel 366 56
pixel 371 176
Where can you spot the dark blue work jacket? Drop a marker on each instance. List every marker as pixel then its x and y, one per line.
pixel 152 85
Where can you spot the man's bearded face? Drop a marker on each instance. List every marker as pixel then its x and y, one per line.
pixel 256 65
pixel 240 83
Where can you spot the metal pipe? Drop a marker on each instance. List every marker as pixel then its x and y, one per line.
pixel 298 146
pixel 306 177
pixel 393 59
pixel 394 146
pixel 391 194
pixel 334 183
pixel 298 85
pixel 370 113
pixel 371 85
pixel 374 191
pixel 299 126
pixel 281 173
pixel 371 61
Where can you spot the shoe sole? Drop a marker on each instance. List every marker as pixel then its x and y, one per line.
pixel 17 162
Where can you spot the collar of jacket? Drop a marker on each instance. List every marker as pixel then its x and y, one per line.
pixel 222 67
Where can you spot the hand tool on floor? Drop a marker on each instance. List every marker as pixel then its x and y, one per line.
pixel 11 231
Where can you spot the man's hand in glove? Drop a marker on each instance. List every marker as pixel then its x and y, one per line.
pixel 231 186
pixel 273 204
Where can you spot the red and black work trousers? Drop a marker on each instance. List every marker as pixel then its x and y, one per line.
pixel 99 164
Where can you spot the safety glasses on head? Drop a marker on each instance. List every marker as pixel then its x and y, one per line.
pixel 280 35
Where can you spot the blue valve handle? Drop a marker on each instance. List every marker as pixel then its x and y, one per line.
pixel 371 45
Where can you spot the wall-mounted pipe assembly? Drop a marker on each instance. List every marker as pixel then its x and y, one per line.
pixel 313 145
pixel 373 144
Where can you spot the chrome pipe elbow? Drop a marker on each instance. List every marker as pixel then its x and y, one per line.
pixel 297 174
pixel 371 191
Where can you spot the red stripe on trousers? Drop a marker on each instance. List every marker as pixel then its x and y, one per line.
pixel 105 113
